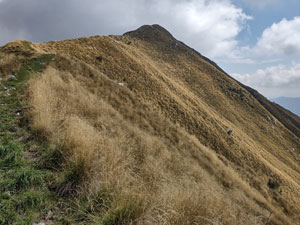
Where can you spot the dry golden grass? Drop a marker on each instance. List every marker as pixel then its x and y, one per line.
pixel 183 183
pixel 156 150
pixel 8 63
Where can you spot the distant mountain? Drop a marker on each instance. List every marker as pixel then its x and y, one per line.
pixel 292 104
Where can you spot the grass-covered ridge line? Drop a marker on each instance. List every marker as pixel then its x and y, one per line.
pixel 24 195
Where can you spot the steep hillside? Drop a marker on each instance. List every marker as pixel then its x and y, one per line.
pixel 287 118
pixel 143 129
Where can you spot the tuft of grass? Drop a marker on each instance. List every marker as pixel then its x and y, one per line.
pixel 89 207
pixel 273 184
pixel 22 178
pixel 31 200
pixel 8 64
pixel 51 158
pixel 27 46
pixel 127 210
pixel 10 155
pixel 73 175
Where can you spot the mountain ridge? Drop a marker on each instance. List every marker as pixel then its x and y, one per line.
pixel 290 120
pixel 160 114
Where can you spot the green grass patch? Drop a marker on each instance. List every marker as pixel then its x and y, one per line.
pixel 21 178
pixel 33 65
pixel 23 188
pixel 24 195
pixel 10 156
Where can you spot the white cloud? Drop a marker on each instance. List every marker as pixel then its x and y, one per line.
pixel 274 81
pixel 281 38
pixel 210 26
pixel 279 42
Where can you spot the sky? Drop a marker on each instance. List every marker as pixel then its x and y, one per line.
pixel 255 41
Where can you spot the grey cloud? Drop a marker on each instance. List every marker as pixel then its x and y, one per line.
pixel 291 49
pixel 199 23
pixel 42 20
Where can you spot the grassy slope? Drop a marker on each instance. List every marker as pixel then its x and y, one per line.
pixel 28 166
pixel 289 119
pixel 140 142
pixel 24 193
